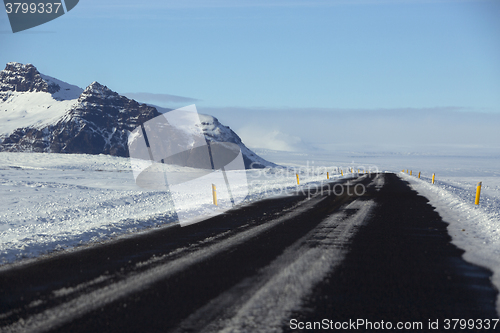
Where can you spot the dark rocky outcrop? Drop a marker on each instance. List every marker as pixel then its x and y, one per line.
pixel 24 78
pixel 99 122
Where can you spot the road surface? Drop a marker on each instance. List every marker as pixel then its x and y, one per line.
pixel 368 248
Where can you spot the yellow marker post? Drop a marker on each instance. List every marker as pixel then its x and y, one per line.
pixel 327 175
pixel 419 174
pixel 406 170
pixel 411 172
pixel 298 183
pixel 433 177
pixel 341 172
pixel 214 194
pixel 478 192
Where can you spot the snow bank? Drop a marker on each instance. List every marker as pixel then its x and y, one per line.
pixel 473 228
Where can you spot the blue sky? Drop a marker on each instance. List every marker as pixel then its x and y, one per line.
pixel 276 55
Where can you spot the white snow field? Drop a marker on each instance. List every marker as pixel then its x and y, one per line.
pixel 51 202
pixel 36 109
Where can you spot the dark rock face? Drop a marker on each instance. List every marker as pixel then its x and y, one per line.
pixel 24 78
pixel 98 123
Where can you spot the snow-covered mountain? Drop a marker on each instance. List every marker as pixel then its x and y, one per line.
pixel 39 113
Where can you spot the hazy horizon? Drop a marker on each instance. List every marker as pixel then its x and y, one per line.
pixel 302 75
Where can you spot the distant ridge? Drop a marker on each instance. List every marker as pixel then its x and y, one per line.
pixel 39 113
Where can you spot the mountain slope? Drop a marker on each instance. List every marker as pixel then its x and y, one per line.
pixel 39 113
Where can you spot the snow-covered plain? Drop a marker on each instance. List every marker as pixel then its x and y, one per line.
pixel 51 202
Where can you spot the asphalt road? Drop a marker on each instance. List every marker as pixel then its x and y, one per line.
pixel 369 248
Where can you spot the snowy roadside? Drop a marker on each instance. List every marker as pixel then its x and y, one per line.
pixel 473 228
pixel 51 202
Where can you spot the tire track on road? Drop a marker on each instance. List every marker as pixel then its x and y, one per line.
pixel 163 285
pixel 264 302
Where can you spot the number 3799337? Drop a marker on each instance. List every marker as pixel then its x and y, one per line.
pixel 32 8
